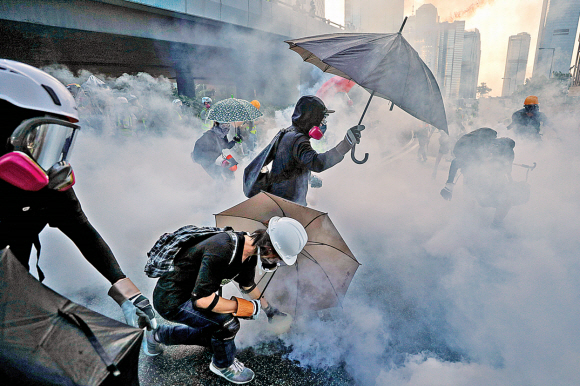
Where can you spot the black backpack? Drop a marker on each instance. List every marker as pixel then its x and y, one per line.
pixel 160 257
pixel 254 180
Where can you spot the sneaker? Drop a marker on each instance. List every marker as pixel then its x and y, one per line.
pixel 236 373
pixel 151 346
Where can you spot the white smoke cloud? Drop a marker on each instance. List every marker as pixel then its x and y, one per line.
pixel 441 298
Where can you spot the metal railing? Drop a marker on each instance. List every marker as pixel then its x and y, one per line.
pixel 181 6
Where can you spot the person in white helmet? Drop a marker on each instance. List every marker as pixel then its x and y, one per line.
pixel 188 295
pixel 38 130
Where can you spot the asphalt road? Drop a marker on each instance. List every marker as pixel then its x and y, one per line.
pixel 189 365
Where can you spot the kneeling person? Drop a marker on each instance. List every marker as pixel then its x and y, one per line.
pixel 187 295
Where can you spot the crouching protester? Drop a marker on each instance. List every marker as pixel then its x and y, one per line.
pixel 188 293
pixel 37 134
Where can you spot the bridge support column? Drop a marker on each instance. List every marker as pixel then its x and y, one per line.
pixel 185 81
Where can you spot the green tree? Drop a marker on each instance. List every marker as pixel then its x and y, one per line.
pixel 482 89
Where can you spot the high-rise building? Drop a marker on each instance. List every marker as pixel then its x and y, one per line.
pixel 470 64
pixel 426 35
pixel 450 58
pixel 516 63
pixel 556 37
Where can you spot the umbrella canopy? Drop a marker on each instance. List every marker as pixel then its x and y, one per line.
pixel 45 339
pixel 384 64
pixel 324 268
pixel 233 110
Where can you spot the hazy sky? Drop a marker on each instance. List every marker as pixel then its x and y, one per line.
pixel 496 20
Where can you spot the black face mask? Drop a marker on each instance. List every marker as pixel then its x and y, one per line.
pixel 531 108
pixel 268 265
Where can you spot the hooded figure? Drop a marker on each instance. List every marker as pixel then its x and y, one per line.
pixel 208 148
pixel 295 159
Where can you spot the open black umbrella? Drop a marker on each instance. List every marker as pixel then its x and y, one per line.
pixel 385 65
pixel 324 268
pixel 45 339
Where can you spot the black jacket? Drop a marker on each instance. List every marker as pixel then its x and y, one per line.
pixel 527 126
pixel 295 158
pixel 23 215
pixel 209 147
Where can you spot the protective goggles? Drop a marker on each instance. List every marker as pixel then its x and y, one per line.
pixel 41 148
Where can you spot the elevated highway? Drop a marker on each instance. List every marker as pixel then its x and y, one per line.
pixel 237 42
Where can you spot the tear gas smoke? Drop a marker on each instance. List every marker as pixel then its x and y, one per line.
pixel 441 298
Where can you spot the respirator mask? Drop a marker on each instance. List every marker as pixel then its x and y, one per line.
pixel 40 149
pixel 317 132
pixel 265 266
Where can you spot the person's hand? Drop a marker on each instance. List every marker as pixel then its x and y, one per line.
pixel 353 134
pixel 247 309
pixel 272 312
pixel 237 139
pixel 315 182
pixel 139 313
pixel 447 191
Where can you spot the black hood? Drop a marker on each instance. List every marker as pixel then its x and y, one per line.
pixel 309 112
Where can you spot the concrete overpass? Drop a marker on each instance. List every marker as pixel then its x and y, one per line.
pixel 237 42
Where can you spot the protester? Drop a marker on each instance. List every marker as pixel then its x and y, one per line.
pixel 126 121
pixel 248 131
pixel 422 135
pixel 447 141
pixel 294 158
pixel 187 294
pixel 206 101
pixel 528 121
pixel 38 130
pixel 209 147
pixel 486 164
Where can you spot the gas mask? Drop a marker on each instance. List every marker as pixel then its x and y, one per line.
pixel 264 266
pixel 317 132
pixel 40 149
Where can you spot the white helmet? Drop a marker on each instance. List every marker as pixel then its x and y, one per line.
pixel 30 88
pixel 206 100
pixel 288 237
pixel 177 102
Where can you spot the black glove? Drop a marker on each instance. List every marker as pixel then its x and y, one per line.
pixel 353 134
pixel 272 312
pixel 237 139
pixel 447 191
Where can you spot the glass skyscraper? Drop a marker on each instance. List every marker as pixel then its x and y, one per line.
pixel 556 37
pixel 516 63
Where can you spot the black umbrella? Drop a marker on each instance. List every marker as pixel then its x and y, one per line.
pixel 45 339
pixel 385 65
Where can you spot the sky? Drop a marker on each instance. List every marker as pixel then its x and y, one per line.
pixel 496 21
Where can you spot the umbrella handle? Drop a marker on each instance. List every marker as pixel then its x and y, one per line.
pixel 365 159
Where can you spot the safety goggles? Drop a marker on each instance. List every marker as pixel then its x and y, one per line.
pixel 46 140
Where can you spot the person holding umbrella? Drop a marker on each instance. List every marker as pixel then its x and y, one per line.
pixel 188 294
pixel 226 114
pixel 294 158
pixel 208 148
